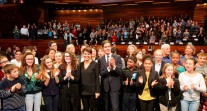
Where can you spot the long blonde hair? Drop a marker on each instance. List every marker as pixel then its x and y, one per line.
pixel 43 69
pixel 164 68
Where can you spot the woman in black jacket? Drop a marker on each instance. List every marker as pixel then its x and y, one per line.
pixel 147 82
pixel 90 86
pixel 169 89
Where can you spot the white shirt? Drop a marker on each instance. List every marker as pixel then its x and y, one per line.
pixel 107 57
pixel 187 80
pixel 15 62
pixel 24 31
pixel 157 67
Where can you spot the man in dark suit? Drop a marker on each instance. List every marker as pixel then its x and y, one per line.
pixel 110 71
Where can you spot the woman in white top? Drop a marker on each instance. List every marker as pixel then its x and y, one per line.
pixel 192 84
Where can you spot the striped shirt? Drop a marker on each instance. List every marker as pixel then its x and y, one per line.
pixel 12 100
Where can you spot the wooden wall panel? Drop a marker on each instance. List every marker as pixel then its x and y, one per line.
pixel 161 10
pixel 94 17
pixel 200 13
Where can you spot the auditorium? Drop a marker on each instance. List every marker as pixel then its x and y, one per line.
pixel 103 55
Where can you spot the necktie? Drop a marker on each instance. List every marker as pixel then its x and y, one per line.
pixel 107 59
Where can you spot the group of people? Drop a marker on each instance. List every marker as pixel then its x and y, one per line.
pixel 143 29
pixel 100 79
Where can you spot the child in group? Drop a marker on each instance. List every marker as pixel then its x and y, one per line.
pixel 3 62
pixel 30 73
pixel 147 84
pixel 49 76
pixel 129 87
pixel 169 89
pixel 12 89
pixel 192 84
pixel 201 66
pixel 175 58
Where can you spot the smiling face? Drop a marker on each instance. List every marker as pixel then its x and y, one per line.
pixel 147 65
pixel 29 60
pixel 18 55
pixel 48 63
pixel 67 58
pixel 130 63
pixel 4 61
pixel 58 57
pixel 100 52
pixel 190 65
pixel 107 48
pixel 52 54
pixel 139 55
pixel 53 46
pixel 189 50
pixel 202 60
pixel 158 55
pixel 169 71
pixel 175 58
pixel 86 55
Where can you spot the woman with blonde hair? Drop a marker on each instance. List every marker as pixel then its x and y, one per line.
pixel 49 76
pixel 58 59
pixel 169 89
pixel 131 49
pixel 189 51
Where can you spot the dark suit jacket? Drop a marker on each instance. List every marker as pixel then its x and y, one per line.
pixel 162 65
pixel 89 78
pixel 164 95
pixel 152 76
pixel 111 80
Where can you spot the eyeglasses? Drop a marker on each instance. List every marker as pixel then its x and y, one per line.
pixel 3 62
pixel 67 56
pixel 29 59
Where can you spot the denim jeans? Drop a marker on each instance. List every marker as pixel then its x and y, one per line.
pixel 22 108
pixel 189 105
pixel 33 99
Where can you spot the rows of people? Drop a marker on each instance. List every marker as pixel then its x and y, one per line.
pixel 143 29
pixel 99 80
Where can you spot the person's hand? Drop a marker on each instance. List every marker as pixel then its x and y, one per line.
pixel 57 72
pixel 126 82
pixel 97 95
pixel 18 86
pixel 185 88
pixel 131 82
pixel 172 83
pixel 204 94
pixel 13 88
pixel 112 62
pixel 154 83
pixel 192 86
pixel 140 79
pixel 37 76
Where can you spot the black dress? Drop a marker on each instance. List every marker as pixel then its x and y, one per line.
pixel 69 91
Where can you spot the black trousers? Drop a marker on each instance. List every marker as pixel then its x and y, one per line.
pixel 147 105
pixel 89 102
pixel 113 96
pixel 51 102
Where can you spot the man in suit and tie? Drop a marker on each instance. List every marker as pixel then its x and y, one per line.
pixel 110 71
